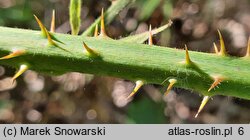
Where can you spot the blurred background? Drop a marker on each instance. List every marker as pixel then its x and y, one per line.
pixel 84 98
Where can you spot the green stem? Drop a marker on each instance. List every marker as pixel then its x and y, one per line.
pixel 128 61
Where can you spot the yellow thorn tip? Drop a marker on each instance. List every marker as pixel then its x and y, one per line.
pixel 53 22
pixel 13 54
pixel 103 32
pixel 188 60
pixel 96 30
pixel 138 85
pixel 248 48
pixel 45 32
pixel 203 103
pixel 222 45
pixel 42 27
pixel 171 83
pixel 51 42
pixel 90 51
pixel 216 48
pixel 150 38
pixel 21 70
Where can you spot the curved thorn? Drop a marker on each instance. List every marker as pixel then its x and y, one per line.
pixel 216 48
pixel 102 32
pixel 188 60
pixel 44 30
pixel 171 83
pixel 51 42
pixel 13 54
pixel 222 45
pixel 150 38
pixel 203 103
pixel 90 51
pixel 248 48
pixel 138 85
pixel 54 38
pixel 96 30
pixel 53 22
pixel 21 70
pixel 42 27
pixel 217 81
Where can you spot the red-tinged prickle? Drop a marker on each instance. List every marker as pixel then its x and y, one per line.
pixel 217 81
pixel 13 54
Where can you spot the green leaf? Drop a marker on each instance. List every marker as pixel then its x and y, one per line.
pixel 111 13
pixel 75 16
pixel 146 111
pixel 147 8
